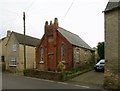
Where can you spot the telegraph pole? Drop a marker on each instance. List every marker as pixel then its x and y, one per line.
pixel 24 41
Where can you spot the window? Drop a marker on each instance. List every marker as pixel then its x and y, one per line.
pixel 3 58
pixel 14 47
pixel 41 55
pixel 77 56
pixel 62 53
pixel 12 62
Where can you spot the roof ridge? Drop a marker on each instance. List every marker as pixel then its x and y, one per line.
pixel 25 35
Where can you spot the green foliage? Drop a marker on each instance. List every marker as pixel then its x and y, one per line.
pixel 100 50
pixel 60 67
pixel 25 72
pixel 49 69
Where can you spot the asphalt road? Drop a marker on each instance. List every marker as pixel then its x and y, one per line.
pixel 10 81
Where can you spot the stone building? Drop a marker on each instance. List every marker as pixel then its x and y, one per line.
pixel 112 45
pixel 3 43
pixel 15 52
pixel 59 45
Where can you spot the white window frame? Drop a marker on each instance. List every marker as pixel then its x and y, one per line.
pixel 77 56
pixel 14 47
pixel 12 61
pixel 41 55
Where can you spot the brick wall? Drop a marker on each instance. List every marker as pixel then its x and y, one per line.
pixel 51 42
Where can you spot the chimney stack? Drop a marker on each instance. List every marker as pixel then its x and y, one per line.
pixel 8 33
pixel 50 22
pixel 46 27
pixel 52 26
pixel 56 23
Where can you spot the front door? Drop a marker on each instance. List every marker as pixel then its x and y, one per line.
pixel 50 62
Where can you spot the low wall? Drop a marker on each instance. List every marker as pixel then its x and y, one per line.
pixel 43 75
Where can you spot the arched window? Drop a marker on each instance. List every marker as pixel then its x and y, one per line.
pixel 41 55
pixel 62 53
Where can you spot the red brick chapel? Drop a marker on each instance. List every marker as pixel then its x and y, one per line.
pixel 59 45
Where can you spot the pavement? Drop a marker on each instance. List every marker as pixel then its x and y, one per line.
pixel 91 79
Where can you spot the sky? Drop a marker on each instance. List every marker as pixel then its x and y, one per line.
pixel 81 17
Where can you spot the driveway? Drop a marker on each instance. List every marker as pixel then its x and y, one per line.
pixel 90 78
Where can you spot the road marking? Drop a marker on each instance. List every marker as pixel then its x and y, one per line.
pixel 85 86
pixel 48 80
pixel 34 78
pixel 62 83
pixel 82 86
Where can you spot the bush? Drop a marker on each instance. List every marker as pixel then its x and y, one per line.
pixel 49 69
pixel 25 72
pixel 60 67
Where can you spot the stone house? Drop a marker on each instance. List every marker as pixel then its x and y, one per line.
pixel 3 43
pixel 15 52
pixel 112 45
pixel 59 45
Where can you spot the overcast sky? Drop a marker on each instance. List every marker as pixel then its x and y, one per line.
pixel 81 17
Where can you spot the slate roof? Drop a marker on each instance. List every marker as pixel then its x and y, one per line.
pixel 112 5
pixel 73 38
pixel 31 41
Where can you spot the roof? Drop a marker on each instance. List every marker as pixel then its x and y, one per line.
pixel 2 39
pixel 31 41
pixel 73 38
pixel 112 5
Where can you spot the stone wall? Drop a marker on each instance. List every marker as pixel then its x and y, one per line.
pixel 30 57
pixel 19 55
pixel 112 71
pixel 10 53
pixel 85 57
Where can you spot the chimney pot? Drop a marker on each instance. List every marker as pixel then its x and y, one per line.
pixel 50 22
pixel 46 23
pixel 55 20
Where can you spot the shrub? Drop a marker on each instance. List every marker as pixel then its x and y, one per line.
pixel 25 72
pixel 60 67
pixel 49 69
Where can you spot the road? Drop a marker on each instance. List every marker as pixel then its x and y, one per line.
pixel 11 81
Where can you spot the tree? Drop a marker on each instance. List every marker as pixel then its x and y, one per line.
pixel 100 50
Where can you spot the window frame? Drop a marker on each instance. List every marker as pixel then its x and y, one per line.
pixel 63 53
pixel 77 55
pixel 13 62
pixel 41 55
pixel 14 47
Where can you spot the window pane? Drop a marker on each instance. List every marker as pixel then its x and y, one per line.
pixel 62 53
pixel 14 47
pixel 13 62
pixel 41 55
pixel 77 56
